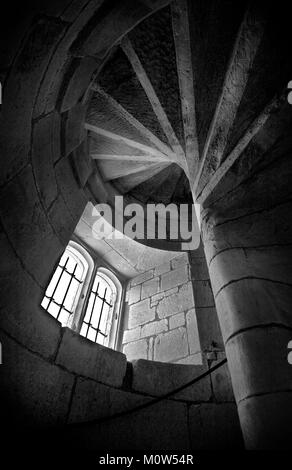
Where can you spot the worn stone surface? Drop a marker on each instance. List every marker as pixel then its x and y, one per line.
pixel 20 93
pixel 199 269
pixel 83 357
pixel 154 328
pixel 215 427
pixel 82 163
pixel 167 418
pixel 157 378
pixel 250 351
pixel 242 305
pixel 62 220
pixel 257 431
pixel 209 329
pixel 82 72
pixel 171 346
pixel 28 227
pixel 33 391
pixel 142 278
pixel 174 278
pixel 203 294
pixel 93 400
pixel 136 350
pixel 21 314
pixel 74 128
pixel 150 288
pixel 183 300
pixel 193 333
pixel 132 335
pixel 221 381
pixel 134 294
pixel 193 359
pixel 163 268
pixel 73 196
pixel 177 320
pixel 180 261
pixel 141 313
pixel 43 158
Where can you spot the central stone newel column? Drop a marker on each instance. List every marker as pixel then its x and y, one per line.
pixel 250 264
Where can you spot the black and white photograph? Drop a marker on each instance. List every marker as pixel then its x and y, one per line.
pixel 145 233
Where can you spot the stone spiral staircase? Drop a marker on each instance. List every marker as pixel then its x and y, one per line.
pixel 194 91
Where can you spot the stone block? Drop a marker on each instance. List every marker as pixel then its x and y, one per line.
pixel 155 298
pixel 140 313
pixel 245 303
pixel 215 427
pixel 73 196
pixel 266 421
pixel 180 261
pixel 162 269
pixel 83 357
pixel 110 26
pixel 221 381
pixel 49 91
pixel 132 335
pixel 174 290
pixel 20 93
pixel 73 10
pixel 176 303
pixel 150 288
pixel 193 333
pixel 74 128
pixel 34 392
pixel 62 220
pixel 81 72
pixel 203 294
pixel 93 400
pixel 82 164
pixel 268 262
pixel 21 314
pixel 43 159
pixel 174 278
pixel 176 320
pixel 134 294
pixel 136 350
pixel 168 425
pixel 171 346
pixel 194 359
pixel 199 269
pixel 150 349
pixel 142 278
pixel 28 228
pixel 154 328
pixel 257 360
pixel 209 328
pixel 159 378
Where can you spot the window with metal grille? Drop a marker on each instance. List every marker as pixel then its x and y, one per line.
pixel 85 297
pixel 97 320
pixel 62 294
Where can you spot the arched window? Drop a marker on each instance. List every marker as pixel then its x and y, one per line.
pixel 85 297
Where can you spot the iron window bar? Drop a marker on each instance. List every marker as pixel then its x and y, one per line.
pixel 72 276
pixel 104 301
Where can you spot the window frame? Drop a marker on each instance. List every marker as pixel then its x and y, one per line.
pixel 95 267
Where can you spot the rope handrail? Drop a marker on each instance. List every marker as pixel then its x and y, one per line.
pixel 151 403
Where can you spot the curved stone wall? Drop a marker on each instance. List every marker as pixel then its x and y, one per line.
pixel 49 375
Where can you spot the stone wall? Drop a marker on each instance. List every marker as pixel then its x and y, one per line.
pixel 160 318
pixel 50 376
pixel 170 313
